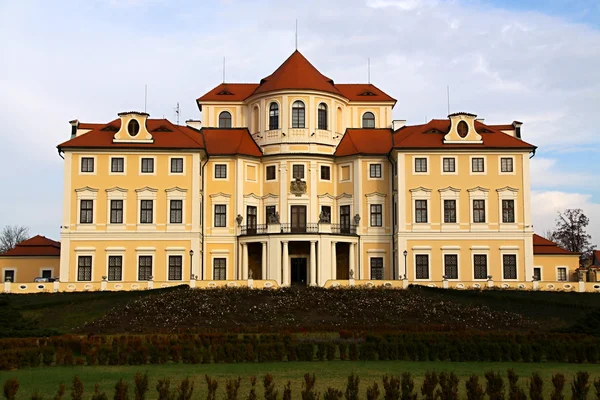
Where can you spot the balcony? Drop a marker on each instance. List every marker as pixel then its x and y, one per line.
pixel 297 135
pixel 312 228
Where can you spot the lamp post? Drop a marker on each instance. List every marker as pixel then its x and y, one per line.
pixel 191 269
pixel 405 254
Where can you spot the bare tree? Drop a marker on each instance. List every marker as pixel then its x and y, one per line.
pixel 570 233
pixel 11 235
pixel 548 234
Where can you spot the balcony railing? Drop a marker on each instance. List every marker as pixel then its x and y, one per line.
pixel 287 228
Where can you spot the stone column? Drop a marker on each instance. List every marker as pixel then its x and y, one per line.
pixel 244 261
pixel 285 281
pixel 264 261
pixel 333 261
pixel 351 262
pixel 313 263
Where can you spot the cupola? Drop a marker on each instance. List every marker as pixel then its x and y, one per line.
pixel 462 129
pixel 133 128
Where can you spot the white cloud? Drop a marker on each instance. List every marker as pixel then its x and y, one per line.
pixel 550 173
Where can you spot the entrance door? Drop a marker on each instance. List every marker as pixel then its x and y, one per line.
pixel 299 274
pixel 251 220
pixel 298 219
pixel 345 219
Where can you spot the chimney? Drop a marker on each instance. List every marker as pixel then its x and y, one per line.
pixel 517 126
pixel 398 123
pixel 194 124
pixel 74 127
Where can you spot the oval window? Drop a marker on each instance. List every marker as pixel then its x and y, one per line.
pixel 133 127
pixel 462 129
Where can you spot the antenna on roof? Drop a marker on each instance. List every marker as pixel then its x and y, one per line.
pixel 369 69
pixel 223 69
pixel 296 33
pixel 177 112
pixel 448 90
pixel 145 97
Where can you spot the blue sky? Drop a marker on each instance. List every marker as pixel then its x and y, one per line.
pixel 536 62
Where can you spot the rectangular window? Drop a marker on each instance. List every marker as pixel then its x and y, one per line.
pixel 86 212
pixel 325 173
pixel 115 268
pixel 116 211
pixel 177 165
pixel 175 268
pixel 176 216
pixel 562 274
pixel 221 171
pixel 420 165
pixel 145 268
pixel 146 207
pixel 376 215
pixel 117 164
pixel 377 268
pixel 449 164
pixel 9 275
pixel 450 211
pixel 84 268
pixel 506 164
pixel 271 173
pixel 298 171
pixel 147 165
pixel 509 266
pixel 451 266
pixel 219 269
pixel 220 215
pixel 344 219
pixel 479 211
pixel 375 171
pixel 537 274
pixel 87 164
pixel 480 263
pixel 508 211
pixel 421 211
pixel 477 164
pixel 46 273
pixel 270 213
pixel 422 266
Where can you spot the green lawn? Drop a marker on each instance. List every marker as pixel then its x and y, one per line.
pixel 334 374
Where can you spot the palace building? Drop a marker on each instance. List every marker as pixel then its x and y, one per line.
pixel 298 179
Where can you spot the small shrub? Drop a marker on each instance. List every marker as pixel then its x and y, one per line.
pixel 429 385
pixel 494 387
pixel 558 381
pixel 60 392
pixel 141 386
pixel 212 388
pixel 343 351
pixel 373 392
pixel 514 391
pixel 185 389
pixel 536 387
pixel 270 392
pixel 163 387
pixel 321 351
pixel 36 396
pixel 330 349
pixel 252 394
pixel 77 389
pixel 391 388
pixel 232 386
pixel 308 386
pixel 474 389
pixel 353 352
pixel 407 387
pixel 332 394
pixel 287 391
pixel 448 386
pixel 98 395
pixel 580 386
pixel 352 388
pixel 11 387
pixel 121 390
pixel 597 387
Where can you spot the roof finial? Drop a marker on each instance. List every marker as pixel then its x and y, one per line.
pixel 296 33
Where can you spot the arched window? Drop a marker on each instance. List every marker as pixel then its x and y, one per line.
pixel 322 123
pixel 368 120
pixel 225 120
pixel 274 116
pixel 298 114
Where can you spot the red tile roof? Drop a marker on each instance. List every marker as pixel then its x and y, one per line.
pixel 431 135
pixel 365 141
pixel 544 246
pixel 166 135
pixel 35 246
pixel 221 141
pixel 296 73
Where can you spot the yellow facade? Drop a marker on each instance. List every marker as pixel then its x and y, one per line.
pixel 26 269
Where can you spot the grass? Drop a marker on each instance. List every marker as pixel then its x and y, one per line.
pixel 334 374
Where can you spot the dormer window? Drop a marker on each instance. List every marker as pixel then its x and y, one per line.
pixel 133 127
pixel 225 120
pixel 463 129
pixel 368 120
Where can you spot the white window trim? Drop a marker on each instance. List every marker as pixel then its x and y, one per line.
pixel 276 172
pixel 515 253
pixel 176 252
pixel 421 251
pixel 376 198
pixel 81 157
pixel 377 254
pixel 341 166
pixel 455 165
pixel 153 164
pixel 268 115
pixel 541 268
pixel 420 193
pixel 85 253
pixel 480 250
pixel 450 193
pixel 500 165
pixel 292 171
pixel 330 172
pixel 219 199
pixel 177 173
pixel 566 273
pixel 253 201
pixel 479 193
pixel 146 193
pixel 369 178
pixel 291 113
pixel 176 193
pixel 144 253
pixel 508 193
pixel 451 252
pixel 124 157
pixel 51 269
pixel 231 112
pixel 219 254
pixel 485 165
pixel 115 252
pixel 256 172
pixel 372 111
pixel 116 193
pixel 13 269
pixel 227 170
pixel 414 167
pixel 87 193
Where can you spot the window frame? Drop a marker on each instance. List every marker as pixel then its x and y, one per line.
pixel 90 210
pixel 482 209
pixel 146 257
pixel 559 274
pixel 364 119
pixel 122 210
pixel 454 163
pixel 109 277
pixel 274 178
pixel 112 160
pixel 268 212
pixel 79 266
pixel 508 209
pixel 472 159
pixel 298 115
pixel 220 267
pixel 474 258
pixel 9 269
pixel 376 260
pixel 178 211
pixel 222 167
pixel 454 209
pixel 170 266
pixel 419 163
pixel 375 171
pixel 176 160
pixel 516 266
pixel 445 271
pixel 328 169
pixel 303 168
pixel 341 172
pixel 322 114
pixel 220 215
pixel 87 159
pixel 222 120
pixel 512 164
pixel 153 171
pixel 421 210
pixel 417 265
pixel 376 215
pixel 144 211
pixel 273 115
